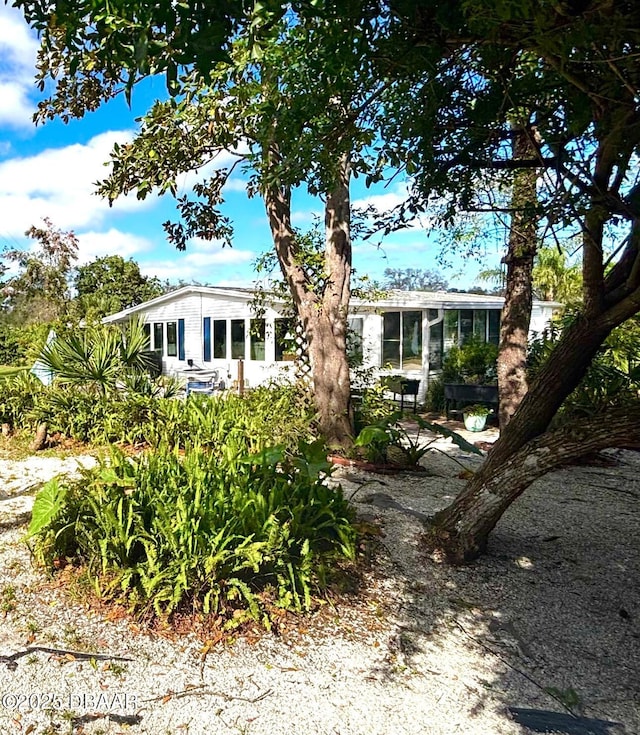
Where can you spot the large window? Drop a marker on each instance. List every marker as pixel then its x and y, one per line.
pixel 435 346
pixel 257 339
pixel 158 337
pixel 402 339
pixel 237 339
pixel 285 339
pixel 220 339
pixel 354 339
pixel 172 339
pixel 460 324
pixel 147 336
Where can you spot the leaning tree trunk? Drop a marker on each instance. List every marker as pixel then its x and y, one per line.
pixel 322 309
pixel 516 313
pixel 524 452
pixel 460 532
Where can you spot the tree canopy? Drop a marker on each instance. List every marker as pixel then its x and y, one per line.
pixel 110 284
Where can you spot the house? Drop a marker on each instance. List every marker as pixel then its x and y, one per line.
pixel 203 328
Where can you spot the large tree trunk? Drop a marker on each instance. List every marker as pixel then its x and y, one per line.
pixel 322 310
pixel 516 313
pixel 524 452
pixel 460 532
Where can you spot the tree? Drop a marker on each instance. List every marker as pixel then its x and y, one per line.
pixel 583 85
pixel 40 290
pixel 285 91
pixel 435 89
pixel 414 279
pixel 110 284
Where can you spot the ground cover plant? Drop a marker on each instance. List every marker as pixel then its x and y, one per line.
pixel 221 532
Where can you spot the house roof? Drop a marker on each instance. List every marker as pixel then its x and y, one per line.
pixel 394 299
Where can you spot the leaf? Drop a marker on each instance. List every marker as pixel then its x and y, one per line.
pixel 47 505
pixel 449 434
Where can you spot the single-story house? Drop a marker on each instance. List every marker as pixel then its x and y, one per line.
pixel 203 328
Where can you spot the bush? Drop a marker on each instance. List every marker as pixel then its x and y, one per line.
pixel 163 531
pixel 473 362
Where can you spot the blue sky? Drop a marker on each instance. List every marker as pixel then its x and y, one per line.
pixel 49 171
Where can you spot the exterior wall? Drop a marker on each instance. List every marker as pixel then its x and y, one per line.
pixel 194 304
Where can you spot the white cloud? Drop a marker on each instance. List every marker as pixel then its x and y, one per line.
pixel 59 183
pixel 18 49
pixel 197 264
pixel 383 203
pixel 113 242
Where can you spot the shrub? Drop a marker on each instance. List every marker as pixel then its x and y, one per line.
pixel 163 531
pixel 473 362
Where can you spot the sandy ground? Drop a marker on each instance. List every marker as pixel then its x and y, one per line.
pixel 544 630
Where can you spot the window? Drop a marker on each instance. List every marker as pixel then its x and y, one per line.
pixel 237 339
pixel 494 326
pixel 206 339
pixel 391 339
pixel 402 339
pixel 354 339
pixel 158 337
pixel 172 339
pixel 220 339
pixel 285 338
pixel 435 346
pixel 147 335
pixel 480 324
pixel 257 339
pixel 466 324
pixel 450 337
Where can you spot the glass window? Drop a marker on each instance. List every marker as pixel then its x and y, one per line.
pixel 466 324
pixel 257 336
pixel 285 337
pixel 206 339
pixel 435 346
pixel 411 340
pixel 433 314
pixel 402 339
pixel 354 339
pixel 450 329
pixel 158 334
pixel 147 335
pixel 480 324
pixel 220 339
pixel 391 339
pixel 494 326
pixel 237 339
pixel 172 339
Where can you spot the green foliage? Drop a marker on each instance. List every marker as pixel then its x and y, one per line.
pixel 19 400
pixel 162 531
pixel 389 440
pixel 613 378
pixel 473 362
pixel 110 284
pixel 434 398
pixel 39 291
pixel 477 409
pixel 97 357
pixel 414 279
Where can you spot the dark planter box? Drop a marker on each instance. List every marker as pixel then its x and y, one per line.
pixel 459 395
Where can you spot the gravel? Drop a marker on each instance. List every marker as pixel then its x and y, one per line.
pixel 548 620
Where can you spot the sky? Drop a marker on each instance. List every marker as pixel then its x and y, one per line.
pixel 50 171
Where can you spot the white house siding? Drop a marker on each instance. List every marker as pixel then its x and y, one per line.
pixel 194 303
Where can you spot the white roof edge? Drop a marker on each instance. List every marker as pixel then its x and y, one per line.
pixel 182 291
pixel 416 299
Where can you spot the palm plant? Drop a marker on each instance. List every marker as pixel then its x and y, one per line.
pixel 97 357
